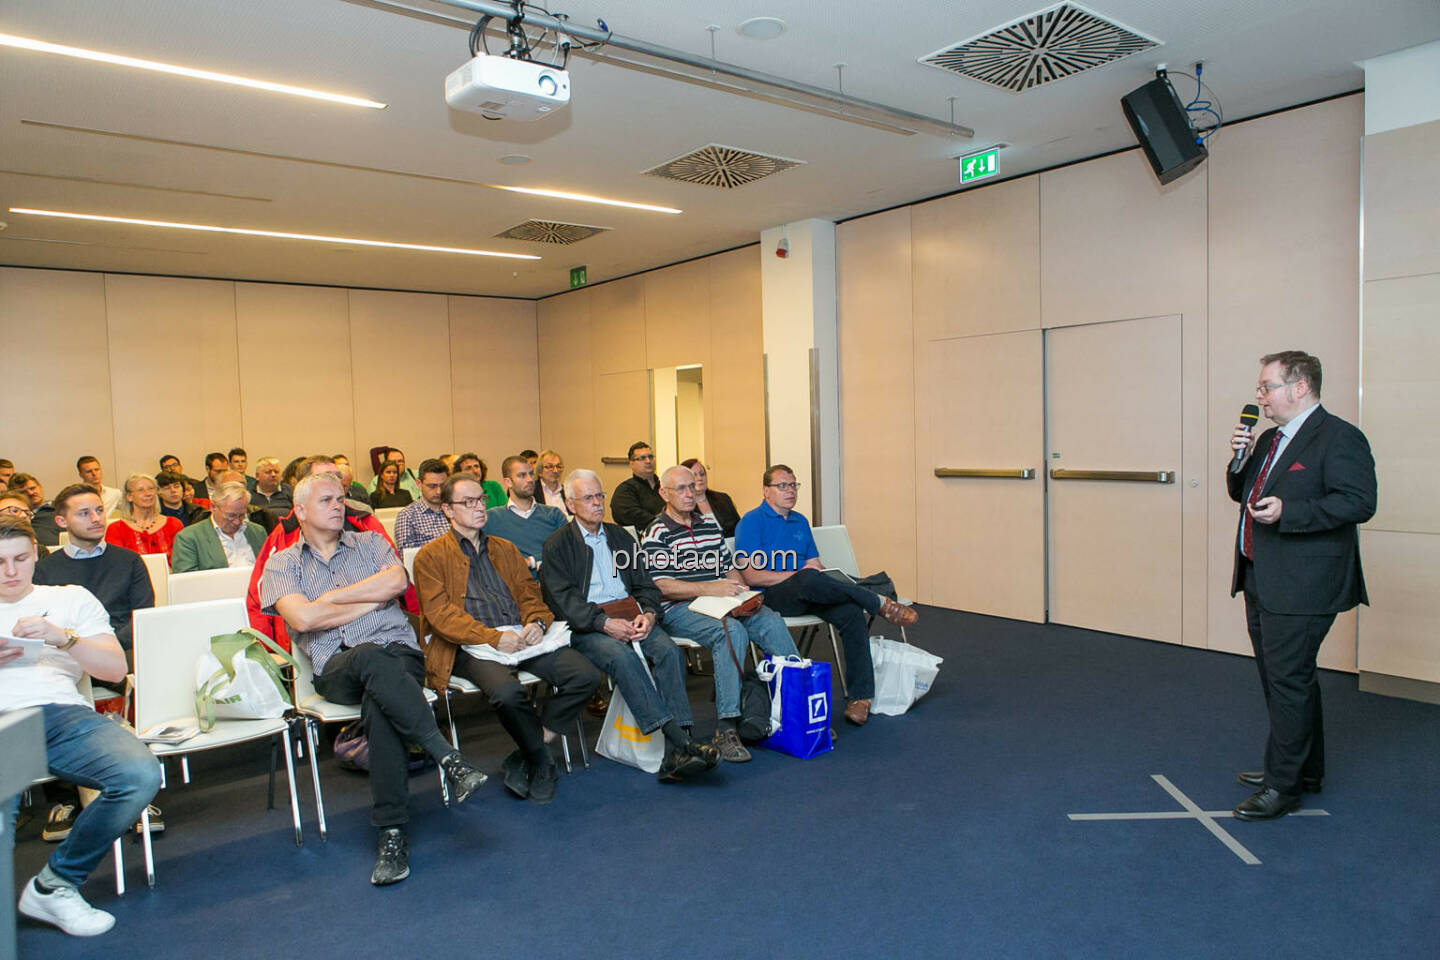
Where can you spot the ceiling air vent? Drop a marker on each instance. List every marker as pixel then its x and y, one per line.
pixel 549 231
pixel 716 165
pixel 1053 44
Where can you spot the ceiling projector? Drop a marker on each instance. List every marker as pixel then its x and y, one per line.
pixel 507 88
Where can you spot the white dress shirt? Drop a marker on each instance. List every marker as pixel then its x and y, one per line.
pixel 237 549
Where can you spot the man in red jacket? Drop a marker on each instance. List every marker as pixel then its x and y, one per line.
pixel 286 532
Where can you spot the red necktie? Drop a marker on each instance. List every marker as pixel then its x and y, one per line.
pixel 1247 525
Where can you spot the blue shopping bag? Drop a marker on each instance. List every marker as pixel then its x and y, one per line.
pixel 799 706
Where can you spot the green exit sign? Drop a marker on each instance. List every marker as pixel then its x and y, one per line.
pixel 978 166
pixel 577 277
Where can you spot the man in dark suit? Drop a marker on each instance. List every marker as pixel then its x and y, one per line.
pixel 1297 560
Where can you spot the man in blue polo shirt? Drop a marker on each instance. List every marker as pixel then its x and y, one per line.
pixel 781 559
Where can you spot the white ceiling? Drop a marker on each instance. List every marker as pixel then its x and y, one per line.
pixel 1260 55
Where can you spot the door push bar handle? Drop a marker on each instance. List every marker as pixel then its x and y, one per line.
pixel 1134 476
pixel 1025 473
pixel 615 461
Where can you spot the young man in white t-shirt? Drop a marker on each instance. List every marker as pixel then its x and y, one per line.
pixel 81 746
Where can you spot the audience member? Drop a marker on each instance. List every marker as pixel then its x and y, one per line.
pixel 14 503
pixel 116 576
pixel 172 490
pixel 80 744
pixel 141 526
pixel 288 475
pixel 268 491
pixel 472 464
pixel 388 492
pixel 240 462
pixel 91 473
pixel 424 520
pixel 379 456
pixel 530 457
pixel 636 500
pixel 449 460
pixel 781 559
pixel 229 539
pixel 215 464
pixel 687 557
pixel 42 514
pixel 550 490
pixel 712 502
pixel 170 463
pixel 522 521
pixel 475 590
pixel 611 605
pixel 337 589
pixel 355 493
pixel 7 471
pixel 285 533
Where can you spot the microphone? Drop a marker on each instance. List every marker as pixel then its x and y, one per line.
pixel 1248 418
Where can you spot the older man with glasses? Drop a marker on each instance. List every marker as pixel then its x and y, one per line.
pixel 229 539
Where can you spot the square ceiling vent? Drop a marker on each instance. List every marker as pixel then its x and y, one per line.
pixel 716 165
pixel 1053 44
pixel 550 231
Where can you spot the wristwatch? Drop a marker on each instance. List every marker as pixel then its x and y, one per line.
pixel 71 638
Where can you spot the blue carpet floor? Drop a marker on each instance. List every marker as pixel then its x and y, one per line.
pixel 943 833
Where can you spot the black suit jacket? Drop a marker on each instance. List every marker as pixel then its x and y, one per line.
pixel 565 566
pixel 1309 562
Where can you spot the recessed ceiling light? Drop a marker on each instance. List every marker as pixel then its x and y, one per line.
pixel 514 159
pixel 761 28
pixel 585 198
pixel 42 46
pixel 248 232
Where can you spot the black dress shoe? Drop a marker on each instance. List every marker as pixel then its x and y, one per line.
pixel 464 778
pixel 1267 804
pixel 545 776
pixel 516 774
pixel 1256 778
pixel 681 765
pixel 392 857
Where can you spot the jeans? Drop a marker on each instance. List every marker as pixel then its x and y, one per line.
pixel 572 680
pixel 765 628
pixel 843 605
pixel 654 704
pixel 388 684
pixel 91 750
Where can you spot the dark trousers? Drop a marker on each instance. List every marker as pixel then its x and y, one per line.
pixel 1285 650
pixel 843 605
pixel 388 684
pixel 572 680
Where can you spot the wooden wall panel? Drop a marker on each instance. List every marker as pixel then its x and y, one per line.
pixel 171 338
pixel 977 261
pixel 400 352
pixel 677 315
pixel 302 407
pixel 495 376
pixel 617 320
pixel 58 373
pixel 877 397
pixel 1294 175
pixel 1397 630
pixel 1402 206
pixel 567 406
pixel 735 378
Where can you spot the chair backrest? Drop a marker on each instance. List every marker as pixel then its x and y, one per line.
pixel 168 641
pixel 833 542
pixel 387 513
pixel 304 674
pixel 388 523
pixel 199 585
pixel 631 530
pixel 63 540
pixel 408 557
pixel 158 566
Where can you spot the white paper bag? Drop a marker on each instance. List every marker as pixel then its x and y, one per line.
pixel 903 674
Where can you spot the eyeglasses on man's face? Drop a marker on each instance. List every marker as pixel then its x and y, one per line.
pixel 15 510
pixel 1265 389
pixel 469 503
pixel 683 488
pixel 643 456
pixel 793 485
pixel 591 498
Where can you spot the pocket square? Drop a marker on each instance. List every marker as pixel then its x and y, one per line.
pixel 1297 465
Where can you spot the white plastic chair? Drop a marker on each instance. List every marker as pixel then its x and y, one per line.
pixel 197 586
pixel 158 566
pixel 168 641
pixel 407 556
pixel 464 687
pixel 315 710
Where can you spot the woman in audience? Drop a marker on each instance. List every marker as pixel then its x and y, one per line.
pixel 713 501
pixel 287 476
pixel 388 492
pixel 142 527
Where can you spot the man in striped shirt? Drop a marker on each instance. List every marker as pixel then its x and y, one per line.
pixel 687 557
pixel 336 588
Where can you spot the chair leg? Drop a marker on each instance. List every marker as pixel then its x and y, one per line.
pixel 839 661
pixel 290 779
pixel 270 790
pixel 315 776
pixel 565 750
pixel 119 849
pixel 580 739
pixel 145 842
pixel 162 774
pixel 450 715
pixel 444 787
pixel 184 769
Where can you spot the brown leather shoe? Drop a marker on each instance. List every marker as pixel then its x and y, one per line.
pixel 858 712
pixel 898 613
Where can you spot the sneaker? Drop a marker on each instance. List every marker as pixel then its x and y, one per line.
pixel 392 857
pixel 58 823
pixel 707 755
pixel 157 822
pixel 516 774
pixel 464 778
pixel 730 747
pixel 66 909
pixel 544 780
